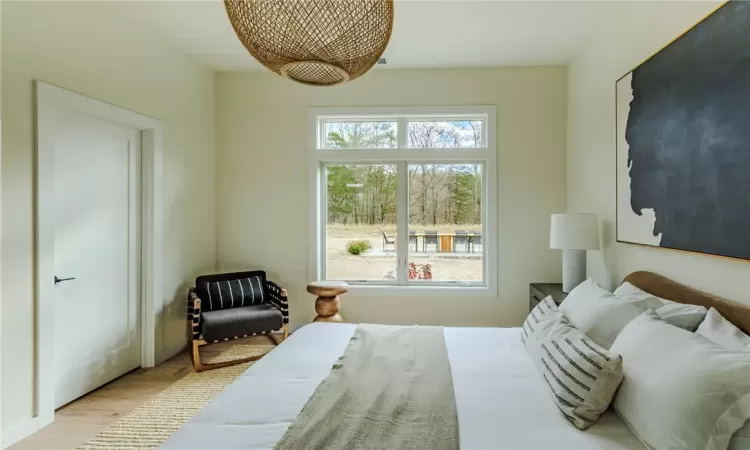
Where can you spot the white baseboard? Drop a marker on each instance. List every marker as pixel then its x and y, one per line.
pixel 24 429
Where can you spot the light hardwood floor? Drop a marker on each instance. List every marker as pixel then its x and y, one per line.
pixel 82 419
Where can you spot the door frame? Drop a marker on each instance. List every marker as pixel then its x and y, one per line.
pixel 48 99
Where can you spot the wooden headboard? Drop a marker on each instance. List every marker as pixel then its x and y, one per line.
pixel 665 288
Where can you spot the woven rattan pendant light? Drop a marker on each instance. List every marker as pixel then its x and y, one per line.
pixel 315 42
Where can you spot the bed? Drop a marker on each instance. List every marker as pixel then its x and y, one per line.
pixel 500 399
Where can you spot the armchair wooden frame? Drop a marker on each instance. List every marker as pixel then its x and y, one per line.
pixel 278 297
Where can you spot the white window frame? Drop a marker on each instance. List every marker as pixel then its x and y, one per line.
pixel 402 156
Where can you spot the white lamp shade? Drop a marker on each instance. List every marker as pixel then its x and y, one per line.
pixel 574 231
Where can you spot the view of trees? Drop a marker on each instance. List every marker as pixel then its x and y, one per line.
pixel 460 134
pixel 438 193
pixel 361 135
pixel 360 194
pixel 445 194
pixel 421 134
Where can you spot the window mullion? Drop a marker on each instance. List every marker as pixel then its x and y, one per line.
pixel 321 141
pixel 322 209
pixel 402 223
pixel 402 132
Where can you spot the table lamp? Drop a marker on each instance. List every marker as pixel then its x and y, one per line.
pixel 574 233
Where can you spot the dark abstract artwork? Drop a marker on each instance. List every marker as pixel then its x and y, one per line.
pixel 683 141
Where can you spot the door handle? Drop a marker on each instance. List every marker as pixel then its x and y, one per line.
pixel 60 280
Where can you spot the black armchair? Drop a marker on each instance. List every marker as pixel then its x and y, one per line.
pixel 233 306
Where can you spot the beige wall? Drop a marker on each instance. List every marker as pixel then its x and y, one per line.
pixel 591 150
pixel 84 47
pixel 1 115
pixel 262 157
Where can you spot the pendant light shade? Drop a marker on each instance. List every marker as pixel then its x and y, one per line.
pixel 315 42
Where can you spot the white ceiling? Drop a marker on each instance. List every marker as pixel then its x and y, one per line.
pixel 436 33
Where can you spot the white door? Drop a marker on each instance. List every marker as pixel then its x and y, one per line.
pixel 96 253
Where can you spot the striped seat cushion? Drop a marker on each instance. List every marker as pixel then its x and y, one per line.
pixel 581 375
pixel 234 293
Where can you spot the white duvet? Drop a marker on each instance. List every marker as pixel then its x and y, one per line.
pixel 501 401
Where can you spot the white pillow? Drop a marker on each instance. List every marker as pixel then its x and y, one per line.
pixel 680 390
pixel 678 314
pixel 581 375
pixel 544 312
pixel 598 313
pixel 718 329
pixel 628 291
pixel 723 332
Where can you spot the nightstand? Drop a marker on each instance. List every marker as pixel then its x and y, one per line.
pixel 539 291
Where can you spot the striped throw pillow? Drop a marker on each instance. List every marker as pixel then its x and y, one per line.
pixel 539 318
pixel 581 375
pixel 234 293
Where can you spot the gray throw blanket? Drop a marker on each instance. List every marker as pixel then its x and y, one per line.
pixel 392 389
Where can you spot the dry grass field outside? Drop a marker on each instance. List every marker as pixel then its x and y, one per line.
pixel 375 264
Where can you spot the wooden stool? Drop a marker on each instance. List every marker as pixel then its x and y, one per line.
pixel 328 303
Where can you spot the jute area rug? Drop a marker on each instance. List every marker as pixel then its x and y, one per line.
pixel 149 425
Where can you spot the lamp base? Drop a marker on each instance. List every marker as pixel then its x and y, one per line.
pixel 574 269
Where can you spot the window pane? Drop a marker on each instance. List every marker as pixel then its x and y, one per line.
pixel 359 134
pixel 446 134
pixel 445 222
pixel 361 222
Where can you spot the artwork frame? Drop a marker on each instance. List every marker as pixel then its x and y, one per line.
pixel 675 186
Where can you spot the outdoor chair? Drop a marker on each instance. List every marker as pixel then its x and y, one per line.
pixel 388 240
pixel 461 237
pixel 233 306
pixel 475 240
pixel 430 237
pixel 413 238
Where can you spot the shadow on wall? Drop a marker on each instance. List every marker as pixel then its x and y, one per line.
pixel 608 252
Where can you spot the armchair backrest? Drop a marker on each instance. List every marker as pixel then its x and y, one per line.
pixel 232 290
